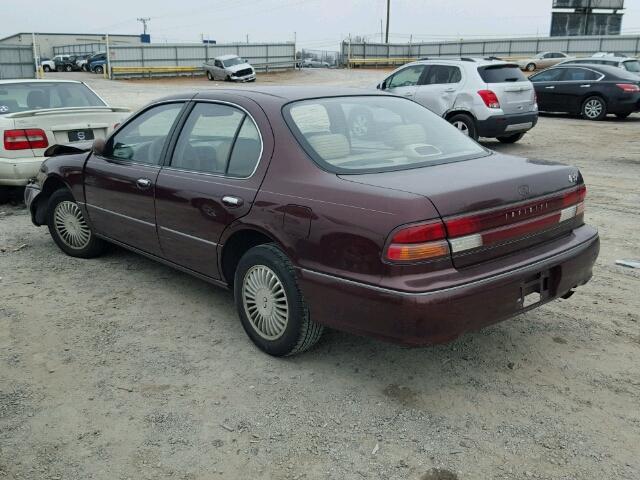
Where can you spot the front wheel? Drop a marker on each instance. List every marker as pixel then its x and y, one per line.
pixel 270 304
pixel 594 108
pixel 99 70
pixel 465 124
pixel 69 229
pixel 511 138
pixel 46 68
pixel 68 68
pixel 531 67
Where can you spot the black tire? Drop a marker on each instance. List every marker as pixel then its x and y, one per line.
pixel 361 123
pixel 594 108
pixel 622 116
pixel 59 68
pixel 300 332
pixel 5 194
pixel 227 78
pixel 46 68
pixel 68 68
pixel 210 76
pixel 511 138
pixel 93 247
pixel 99 70
pixel 531 67
pixel 461 120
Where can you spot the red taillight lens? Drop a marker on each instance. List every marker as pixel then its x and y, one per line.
pixel 418 243
pixel 489 98
pixel 628 87
pixel 25 139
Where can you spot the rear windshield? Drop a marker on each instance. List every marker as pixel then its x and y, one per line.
pixel 501 74
pixel 19 97
pixel 632 66
pixel 367 134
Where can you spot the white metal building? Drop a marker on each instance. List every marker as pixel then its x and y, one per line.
pixel 46 41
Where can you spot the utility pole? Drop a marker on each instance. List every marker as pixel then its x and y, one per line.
pixel 388 8
pixel 247 38
pixel 144 21
pixel 381 32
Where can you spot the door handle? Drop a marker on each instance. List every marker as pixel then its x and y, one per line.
pixel 408 94
pixel 449 90
pixel 232 201
pixel 585 86
pixel 550 88
pixel 143 183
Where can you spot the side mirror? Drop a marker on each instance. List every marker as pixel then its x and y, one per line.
pixel 382 85
pixel 98 146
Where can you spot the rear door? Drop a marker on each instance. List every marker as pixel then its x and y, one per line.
pixel 120 184
pixel 514 91
pixel 439 87
pixel 211 181
pixel 405 81
pixel 576 83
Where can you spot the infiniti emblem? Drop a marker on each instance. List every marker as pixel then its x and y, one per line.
pixel 523 190
pixel 573 177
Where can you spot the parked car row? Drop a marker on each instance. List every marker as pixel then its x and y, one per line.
pixel 71 63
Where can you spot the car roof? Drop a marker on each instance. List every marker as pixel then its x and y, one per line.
pixel 480 62
pixel 226 57
pixel 606 69
pixel 35 80
pixel 605 59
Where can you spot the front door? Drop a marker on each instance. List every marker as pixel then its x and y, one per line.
pixel 209 183
pixel 546 83
pixel 120 183
pixel 405 81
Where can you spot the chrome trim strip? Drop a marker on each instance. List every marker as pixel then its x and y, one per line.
pixel 121 215
pixel 191 237
pixel 482 281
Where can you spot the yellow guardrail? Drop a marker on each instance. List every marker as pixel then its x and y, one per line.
pixel 152 70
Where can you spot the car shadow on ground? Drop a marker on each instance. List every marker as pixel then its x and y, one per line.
pixel 633 118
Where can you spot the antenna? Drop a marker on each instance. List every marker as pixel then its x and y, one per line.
pixel 144 22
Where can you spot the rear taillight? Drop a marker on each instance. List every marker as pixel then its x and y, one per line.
pixel 489 98
pixel 628 87
pixel 25 139
pixel 415 243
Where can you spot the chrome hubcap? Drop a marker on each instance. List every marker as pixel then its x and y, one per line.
pixel 593 108
pixel 463 127
pixel 360 126
pixel 70 225
pixel 265 302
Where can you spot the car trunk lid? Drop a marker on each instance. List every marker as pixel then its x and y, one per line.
pixel 508 203
pixel 515 93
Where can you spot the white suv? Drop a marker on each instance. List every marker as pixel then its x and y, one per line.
pixel 481 97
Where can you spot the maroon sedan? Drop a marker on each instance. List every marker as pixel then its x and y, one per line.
pixel 409 231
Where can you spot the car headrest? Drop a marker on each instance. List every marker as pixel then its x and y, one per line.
pixel 330 145
pixel 402 135
pixel 37 99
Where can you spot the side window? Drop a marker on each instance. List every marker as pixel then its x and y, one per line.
pixel 142 139
pixel 579 74
pixel 442 74
pixel 246 150
pixel 206 140
pixel 218 63
pixel 548 55
pixel 552 75
pixel 407 77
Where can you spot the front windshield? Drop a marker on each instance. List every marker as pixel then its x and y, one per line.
pixel 232 61
pixel 20 97
pixel 632 66
pixel 376 133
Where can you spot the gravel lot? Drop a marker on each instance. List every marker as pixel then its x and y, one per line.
pixel 121 368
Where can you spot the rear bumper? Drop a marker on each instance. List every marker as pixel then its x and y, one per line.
pixel 17 171
pixel 626 104
pixel 439 316
pixel 500 125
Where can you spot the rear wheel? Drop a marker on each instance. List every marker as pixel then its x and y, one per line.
pixel 210 76
pixel 594 108
pixel 46 68
pixel 465 124
pixel 68 68
pixel 270 304
pixel 69 229
pixel 531 67
pixel 511 138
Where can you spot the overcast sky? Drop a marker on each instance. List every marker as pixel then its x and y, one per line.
pixel 318 23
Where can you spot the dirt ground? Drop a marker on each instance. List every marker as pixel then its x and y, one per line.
pixel 121 368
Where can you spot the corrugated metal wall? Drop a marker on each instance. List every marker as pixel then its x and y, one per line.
pixel 263 56
pixel 16 61
pixel 79 49
pixel 517 47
